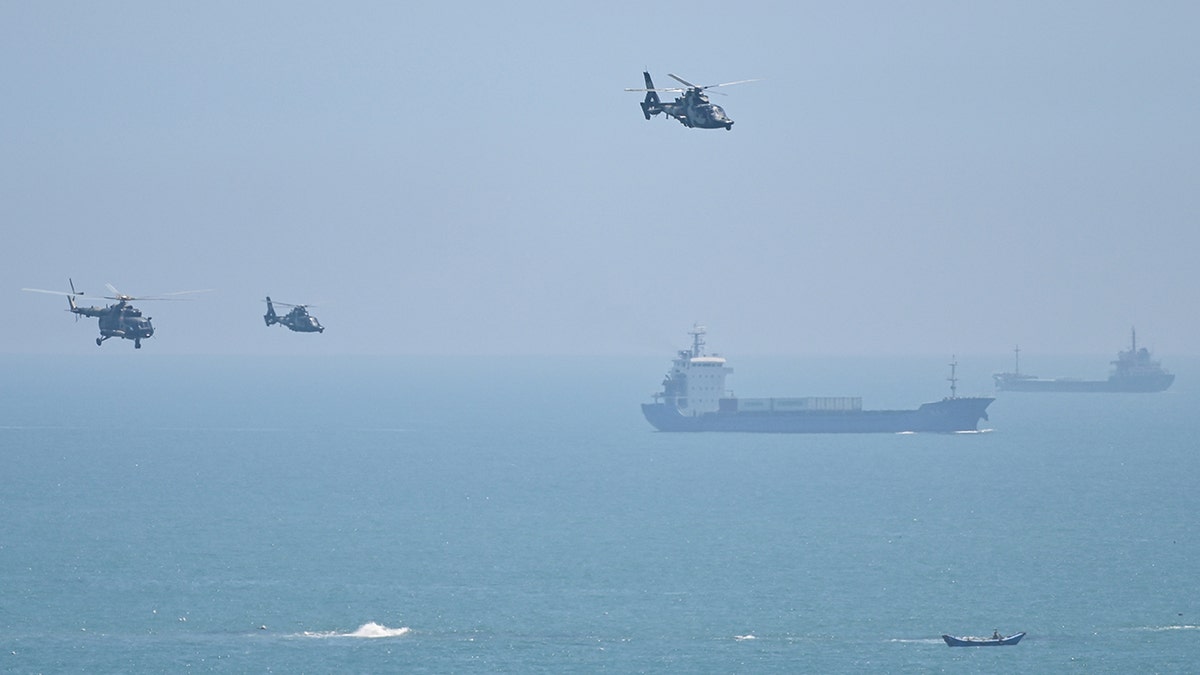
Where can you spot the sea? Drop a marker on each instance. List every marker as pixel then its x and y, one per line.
pixel 494 514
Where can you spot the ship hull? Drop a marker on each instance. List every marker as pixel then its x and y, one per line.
pixel 947 416
pixel 953 641
pixel 1116 385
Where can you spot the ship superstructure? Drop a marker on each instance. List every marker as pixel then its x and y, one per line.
pixel 695 384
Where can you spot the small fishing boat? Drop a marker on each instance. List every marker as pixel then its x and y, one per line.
pixel 994 641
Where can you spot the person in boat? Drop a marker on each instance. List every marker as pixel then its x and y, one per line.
pixel 996 635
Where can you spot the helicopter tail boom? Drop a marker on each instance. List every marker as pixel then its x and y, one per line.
pixel 270 317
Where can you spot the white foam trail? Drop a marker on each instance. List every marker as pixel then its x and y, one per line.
pixel 375 630
pixel 747 636
pixel 370 630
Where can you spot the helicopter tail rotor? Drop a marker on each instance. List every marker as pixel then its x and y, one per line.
pixel 71 297
pixel 270 318
pixel 652 105
pixel 71 306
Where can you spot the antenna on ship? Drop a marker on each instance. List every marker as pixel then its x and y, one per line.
pixel 1017 358
pixel 953 377
pixel 697 334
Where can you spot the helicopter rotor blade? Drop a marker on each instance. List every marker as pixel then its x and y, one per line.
pixel 710 86
pixel 663 89
pixel 726 84
pixel 289 304
pixel 168 296
pixel 689 84
pixel 42 290
pixel 156 297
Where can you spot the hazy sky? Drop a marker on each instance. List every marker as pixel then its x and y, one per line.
pixel 449 178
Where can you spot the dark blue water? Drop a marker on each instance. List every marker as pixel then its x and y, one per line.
pixel 518 515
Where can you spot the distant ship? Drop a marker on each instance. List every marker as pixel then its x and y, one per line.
pixel 694 399
pixel 1133 371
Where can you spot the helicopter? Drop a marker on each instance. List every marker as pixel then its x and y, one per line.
pixel 693 109
pixel 298 319
pixel 121 320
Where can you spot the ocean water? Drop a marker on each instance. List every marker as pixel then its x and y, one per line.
pixel 225 514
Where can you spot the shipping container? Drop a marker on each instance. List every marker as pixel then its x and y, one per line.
pixel 791 404
pixel 754 405
pixel 801 404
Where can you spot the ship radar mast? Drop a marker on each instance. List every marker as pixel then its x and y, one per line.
pixel 953 376
pixel 697 334
pixel 1017 360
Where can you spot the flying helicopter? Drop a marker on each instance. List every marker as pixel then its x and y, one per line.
pixel 298 319
pixel 693 109
pixel 121 320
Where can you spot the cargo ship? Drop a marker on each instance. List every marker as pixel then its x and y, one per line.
pixel 694 399
pixel 1133 371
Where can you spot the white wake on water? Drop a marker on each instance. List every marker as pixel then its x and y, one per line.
pixel 367 630
pixel 1157 629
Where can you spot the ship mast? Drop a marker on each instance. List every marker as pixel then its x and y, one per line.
pixel 697 334
pixel 953 376
pixel 1017 359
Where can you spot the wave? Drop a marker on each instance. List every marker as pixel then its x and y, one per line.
pixel 1156 629
pixel 370 630
pixel 747 636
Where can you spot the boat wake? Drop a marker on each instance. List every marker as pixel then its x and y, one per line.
pixel 963 431
pixel 1159 629
pixel 918 641
pixel 370 630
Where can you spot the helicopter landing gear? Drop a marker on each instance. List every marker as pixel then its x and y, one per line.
pixel 99 341
pixel 137 343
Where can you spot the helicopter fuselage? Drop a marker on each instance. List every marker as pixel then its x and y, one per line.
pixel 695 110
pixel 121 320
pixel 301 321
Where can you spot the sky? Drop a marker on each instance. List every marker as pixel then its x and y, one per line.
pixel 471 178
